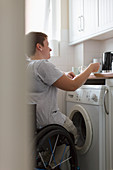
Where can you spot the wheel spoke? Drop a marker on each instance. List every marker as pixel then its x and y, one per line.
pixel 54 148
pixel 63 154
pixel 42 159
pixel 52 151
pixel 61 162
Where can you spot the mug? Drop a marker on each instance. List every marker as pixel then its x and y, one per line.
pixel 98 60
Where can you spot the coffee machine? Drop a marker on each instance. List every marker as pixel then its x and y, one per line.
pixel 107 62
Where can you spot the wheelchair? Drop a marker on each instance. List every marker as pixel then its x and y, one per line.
pixel 53 147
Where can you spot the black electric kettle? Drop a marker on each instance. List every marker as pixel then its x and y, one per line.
pixel 107 62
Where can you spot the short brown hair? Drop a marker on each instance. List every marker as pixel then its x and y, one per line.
pixel 31 39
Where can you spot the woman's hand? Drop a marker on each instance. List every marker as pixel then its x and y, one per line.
pixel 94 67
pixel 70 75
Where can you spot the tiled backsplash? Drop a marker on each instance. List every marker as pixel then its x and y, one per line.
pixel 85 52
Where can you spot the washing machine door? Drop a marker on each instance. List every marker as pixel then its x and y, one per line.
pixel 81 120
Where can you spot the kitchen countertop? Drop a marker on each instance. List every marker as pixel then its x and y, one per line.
pixel 101 75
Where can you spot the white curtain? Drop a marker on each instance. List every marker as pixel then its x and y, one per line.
pixel 35 15
pixel 47 13
pixel 44 16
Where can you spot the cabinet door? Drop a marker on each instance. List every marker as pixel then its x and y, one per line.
pixel 90 17
pixel 75 20
pixel 82 19
pixel 105 15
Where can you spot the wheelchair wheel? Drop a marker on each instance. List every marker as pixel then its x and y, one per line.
pixel 40 133
pixel 54 150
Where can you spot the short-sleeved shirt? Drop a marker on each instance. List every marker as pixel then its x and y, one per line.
pixel 42 92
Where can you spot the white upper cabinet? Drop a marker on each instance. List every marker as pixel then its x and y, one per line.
pixel 89 18
pixel 105 14
pixel 82 19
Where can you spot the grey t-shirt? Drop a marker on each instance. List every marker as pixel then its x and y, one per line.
pixel 42 92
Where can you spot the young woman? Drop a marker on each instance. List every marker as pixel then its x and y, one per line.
pixel 45 78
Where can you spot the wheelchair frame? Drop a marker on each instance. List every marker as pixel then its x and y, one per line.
pixel 49 139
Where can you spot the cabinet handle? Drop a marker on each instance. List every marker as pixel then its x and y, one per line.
pixel 79 23
pixel 82 23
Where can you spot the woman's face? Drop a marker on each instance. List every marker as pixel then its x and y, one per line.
pixel 46 49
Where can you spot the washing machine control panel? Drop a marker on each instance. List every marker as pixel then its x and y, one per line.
pixel 86 96
pixel 94 98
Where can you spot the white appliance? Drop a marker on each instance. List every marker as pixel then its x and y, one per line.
pixel 87 108
pixel 109 126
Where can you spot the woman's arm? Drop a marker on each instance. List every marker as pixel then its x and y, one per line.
pixel 68 84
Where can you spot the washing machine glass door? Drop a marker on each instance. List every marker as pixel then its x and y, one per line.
pixel 82 121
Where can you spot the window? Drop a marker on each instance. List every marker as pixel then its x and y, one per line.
pixel 44 16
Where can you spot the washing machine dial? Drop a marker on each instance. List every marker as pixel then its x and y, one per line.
pixel 94 97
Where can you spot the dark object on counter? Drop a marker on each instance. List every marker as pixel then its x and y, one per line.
pixel 95 82
pixel 107 61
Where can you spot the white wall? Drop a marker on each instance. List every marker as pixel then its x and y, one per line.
pixel 78 55
pixel 107 45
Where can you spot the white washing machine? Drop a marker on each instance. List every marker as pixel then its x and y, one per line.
pixel 87 108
